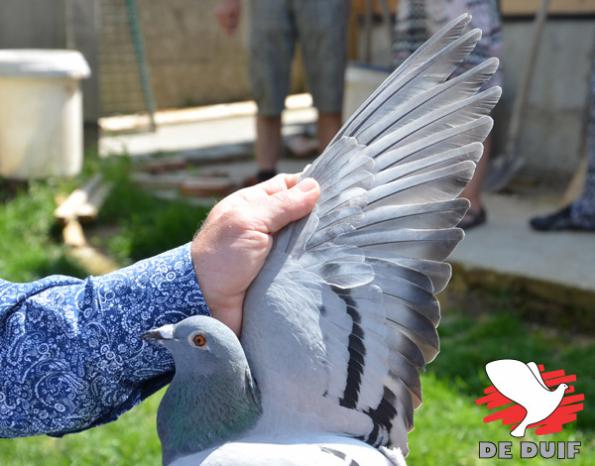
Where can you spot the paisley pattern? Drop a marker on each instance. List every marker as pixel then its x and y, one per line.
pixel 71 353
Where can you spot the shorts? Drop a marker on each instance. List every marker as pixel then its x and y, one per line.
pixel 419 19
pixel 320 26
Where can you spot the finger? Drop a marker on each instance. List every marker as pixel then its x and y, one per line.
pixel 291 204
pixel 278 183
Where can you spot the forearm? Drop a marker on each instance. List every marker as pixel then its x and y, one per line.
pixel 70 350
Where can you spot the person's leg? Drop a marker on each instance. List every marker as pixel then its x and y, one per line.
pixel 329 124
pixel 583 209
pixel 476 215
pixel 268 145
pixel 486 16
pixel 322 31
pixel 580 215
pixel 474 188
pixel 271 47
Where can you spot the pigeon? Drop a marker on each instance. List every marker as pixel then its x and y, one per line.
pixel 342 317
pixel 523 384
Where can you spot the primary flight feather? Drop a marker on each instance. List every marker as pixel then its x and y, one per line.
pixel 342 317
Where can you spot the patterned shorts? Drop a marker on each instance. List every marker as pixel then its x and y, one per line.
pixel 320 26
pixel 419 19
pixel 583 209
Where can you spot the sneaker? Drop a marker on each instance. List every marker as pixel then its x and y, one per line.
pixel 473 219
pixel 558 221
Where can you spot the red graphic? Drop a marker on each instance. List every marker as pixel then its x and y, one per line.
pixel 514 414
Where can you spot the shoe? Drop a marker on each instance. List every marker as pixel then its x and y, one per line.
pixel 473 219
pixel 558 221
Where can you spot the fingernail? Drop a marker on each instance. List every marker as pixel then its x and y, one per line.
pixel 307 185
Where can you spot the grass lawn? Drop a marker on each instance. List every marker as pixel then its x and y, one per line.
pixel 448 425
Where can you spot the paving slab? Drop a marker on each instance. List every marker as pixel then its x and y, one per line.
pixel 194 135
pixel 507 245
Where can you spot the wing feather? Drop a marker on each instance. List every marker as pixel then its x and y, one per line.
pixel 354 283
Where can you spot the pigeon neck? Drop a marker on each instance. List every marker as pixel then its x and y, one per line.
pixel 202 411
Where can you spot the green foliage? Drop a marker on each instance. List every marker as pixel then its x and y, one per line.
pixel 146 225
pixel 139 225
pixel 469 343
pixel 28 249
pixel 132 440
pixel 449 427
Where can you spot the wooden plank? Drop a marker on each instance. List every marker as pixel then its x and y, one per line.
pixel 93 261
pixel 68 209
pixel 73 235
pixel 509 7
pixel 359 7
pixel 161 181
pixel 84 203
pixel 90 209
pixel 207 186
pixel 557 7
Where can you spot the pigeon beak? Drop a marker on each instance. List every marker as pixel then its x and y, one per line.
pixel 166 332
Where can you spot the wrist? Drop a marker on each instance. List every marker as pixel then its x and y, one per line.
pixel 225 308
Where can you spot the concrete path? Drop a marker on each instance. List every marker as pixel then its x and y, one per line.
pixel 560 267
pixel 507 245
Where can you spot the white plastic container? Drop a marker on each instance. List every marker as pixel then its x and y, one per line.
pixel 41 120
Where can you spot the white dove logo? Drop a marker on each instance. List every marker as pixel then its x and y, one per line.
pixel 523 384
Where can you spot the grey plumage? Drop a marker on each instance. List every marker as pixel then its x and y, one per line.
pixel 212 397
pixel 342 317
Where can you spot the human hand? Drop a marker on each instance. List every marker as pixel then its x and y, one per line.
pixel 235 239
pixel 228 15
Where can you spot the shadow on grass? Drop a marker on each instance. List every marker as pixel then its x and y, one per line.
pixel 146 225
pixel 31 247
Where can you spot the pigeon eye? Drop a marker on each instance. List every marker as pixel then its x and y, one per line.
pixel 199 340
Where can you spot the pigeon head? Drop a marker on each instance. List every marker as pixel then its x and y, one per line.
pixel 212 397
pixel 199 343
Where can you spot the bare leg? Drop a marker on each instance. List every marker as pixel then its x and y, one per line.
pixel 268 142
pixel 476 216
pixel 328 125
pixel 473 189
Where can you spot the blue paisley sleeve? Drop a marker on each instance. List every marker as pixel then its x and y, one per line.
pixel 71 353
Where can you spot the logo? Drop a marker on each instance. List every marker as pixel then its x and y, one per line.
pixel 531 397
pixel 527 397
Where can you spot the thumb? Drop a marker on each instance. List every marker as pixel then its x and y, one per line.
pixel 292 204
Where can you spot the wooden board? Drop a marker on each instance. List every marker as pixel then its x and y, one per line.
pixel 557 7
pixel 359 6
pixel 509 7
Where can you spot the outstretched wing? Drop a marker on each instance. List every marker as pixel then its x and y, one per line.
pixel 343 316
